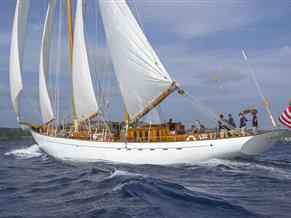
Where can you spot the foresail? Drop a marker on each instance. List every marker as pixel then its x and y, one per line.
pixel 16 52
pixel 83 91
pixel 141 76
pixel 45 104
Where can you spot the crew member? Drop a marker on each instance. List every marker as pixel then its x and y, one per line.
pixel 242 124
pixel 231 123
pixel 221 127
pixel 255 123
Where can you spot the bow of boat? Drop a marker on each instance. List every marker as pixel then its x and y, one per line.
pixel 263 142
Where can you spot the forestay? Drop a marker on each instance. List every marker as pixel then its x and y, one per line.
pixel 45 104
pixel 83 91
pixel 16 52
pixel 141 76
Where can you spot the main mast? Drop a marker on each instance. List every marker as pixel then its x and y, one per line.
pixel 70 29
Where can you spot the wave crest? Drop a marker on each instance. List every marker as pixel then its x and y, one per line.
pixel 25 153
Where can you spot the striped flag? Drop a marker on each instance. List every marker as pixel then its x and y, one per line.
pixel 285 118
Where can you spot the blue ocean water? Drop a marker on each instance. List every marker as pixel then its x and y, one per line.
pixel 33 184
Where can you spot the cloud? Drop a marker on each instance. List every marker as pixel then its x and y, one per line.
pixel 190 19
pixel 224 76
pixel 4 39
pixel 285 51
pixel 187 37
pixel 4 90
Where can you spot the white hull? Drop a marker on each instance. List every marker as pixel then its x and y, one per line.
pixel 156 153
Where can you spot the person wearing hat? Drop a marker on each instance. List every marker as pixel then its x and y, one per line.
pixel 221 127
pixel 231 122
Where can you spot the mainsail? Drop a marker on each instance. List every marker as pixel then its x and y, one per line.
pixel 16 51
pixel 45 104
pixel 83 91
pixel 142 78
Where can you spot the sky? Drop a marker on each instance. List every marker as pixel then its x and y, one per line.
pixel 195 40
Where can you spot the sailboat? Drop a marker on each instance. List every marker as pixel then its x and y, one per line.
pixel 144 83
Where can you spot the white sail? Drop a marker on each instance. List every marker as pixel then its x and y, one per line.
pixel 83 91
pixel 16 52
pixel 45 104
pixel 141 76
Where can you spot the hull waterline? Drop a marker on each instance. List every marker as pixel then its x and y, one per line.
pixel 156 153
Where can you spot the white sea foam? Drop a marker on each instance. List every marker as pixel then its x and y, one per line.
pixel 123 173
pixel 25 153
pixel 119 187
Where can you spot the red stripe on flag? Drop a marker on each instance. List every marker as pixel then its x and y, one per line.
pixel 281 119
pixel 286 116
pixel 288 111
pixel 285 119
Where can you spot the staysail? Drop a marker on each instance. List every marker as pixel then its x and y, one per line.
pixel 83 91
pixel 16 52
pixel 45 104
pixel 142 78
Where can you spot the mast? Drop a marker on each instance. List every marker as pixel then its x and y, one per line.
pixel 126 116
pixel 70 29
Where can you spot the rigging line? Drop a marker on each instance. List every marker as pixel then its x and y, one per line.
pixel 255 80
pixel 97 74
pixel 224 125
pixel 198 43
pixel 138 15
pixel 224 96
pixel 90 52
pixel 142 27
pixel 33 105
pixel 97 50
pixel 92 61
pixel 103 88
pixel 208 112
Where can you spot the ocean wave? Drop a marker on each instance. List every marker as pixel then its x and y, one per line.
pixel 123 173
pixel 242 187
pixel 174 199
pixel 25 153
pixel 250 166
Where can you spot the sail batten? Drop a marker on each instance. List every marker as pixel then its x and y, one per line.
pixel 83 91
pixel 16 52
pixel 141 76
pixel 45 104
